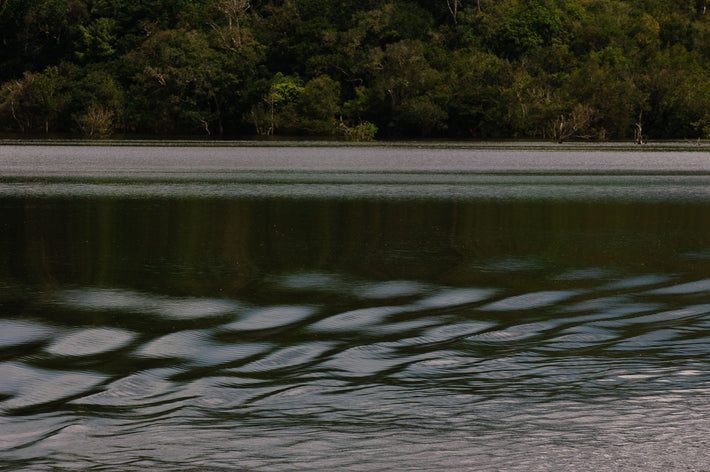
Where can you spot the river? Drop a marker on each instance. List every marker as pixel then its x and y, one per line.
pixel 288 306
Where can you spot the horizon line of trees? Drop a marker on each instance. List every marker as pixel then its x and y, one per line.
pixel 552 69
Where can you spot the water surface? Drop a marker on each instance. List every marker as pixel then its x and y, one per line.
pixel 354 308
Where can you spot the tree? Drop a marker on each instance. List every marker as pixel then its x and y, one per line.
pixel 37 101
pixel 96 122
pixel 319 106
pixel 98 105
pixel 609 84
pixel 173 89
pixel 534 24
pixel 233 11
pixel 282 94
pixel 404 84
pixel 476 93
pixel 679 94
pixel 580 124
pixel 16 104
pixel 47 22
pixel 457 68
pixel 37 34
pixel 453 6
pixel 98 40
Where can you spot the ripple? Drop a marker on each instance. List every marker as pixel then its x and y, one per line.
pixel 79 432
pixel 298 399
pixel 649 340
pixel 194 308
pixel 455 297
pixel 288 357
pixel 638 281
pixel 271 317
pixel 445 362
pixel 15 333
pixel 316 281
pixel 616 303
pixel 17 435
pixel 90 342
pixel 513 333
pixel 31 387
pixel 578 337
pixel 682 289
pixel 529 301
pixel 689 312
pixel 688 373
pixel 14 375
pixel 587 274
pixel 453 331
pixel 501 368
pixel 621 319
pixel 197 347
pixel 361 361
pixel 361 319
pixel 98 299
pixel 132 390
pixel 513 265
pixel 389 289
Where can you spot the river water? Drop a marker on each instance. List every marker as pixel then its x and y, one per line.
pixel 237 307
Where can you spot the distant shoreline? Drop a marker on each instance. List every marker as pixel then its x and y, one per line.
pixel 318 141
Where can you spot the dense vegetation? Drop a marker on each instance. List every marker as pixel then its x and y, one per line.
pixel 556 69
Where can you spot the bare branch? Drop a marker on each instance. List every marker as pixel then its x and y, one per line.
pixel 454 8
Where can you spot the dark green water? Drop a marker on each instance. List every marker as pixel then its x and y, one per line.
pixel 246 322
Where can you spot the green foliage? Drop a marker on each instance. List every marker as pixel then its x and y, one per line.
pixel 173 89
pixel 98 103
pixel 678 30
pixel 318 106
pixel 37 101
pixel 96 122
pixel 361 132
pixel 277 104
pixel 98 40
pixel 284 90
pixel 533 25
pixel 559 69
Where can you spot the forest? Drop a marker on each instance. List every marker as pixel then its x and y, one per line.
pixel 356 69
